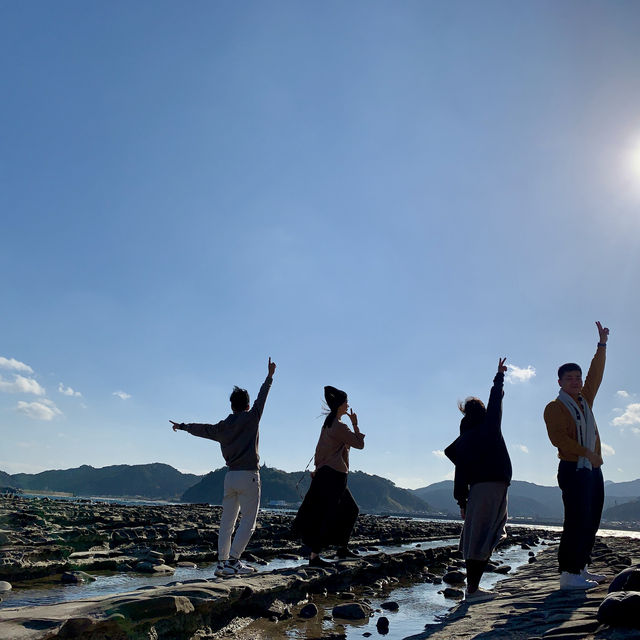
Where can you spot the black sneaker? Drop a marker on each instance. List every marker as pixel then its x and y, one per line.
pixel 345 552
pixel 318 562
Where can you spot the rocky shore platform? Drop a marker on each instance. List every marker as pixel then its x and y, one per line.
pixel 43 537
pixel 40 537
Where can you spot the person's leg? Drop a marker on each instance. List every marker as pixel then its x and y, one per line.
pixel 329 487
pixel 346 516
pixel 249 499
pixel 475 569
pixel 230 508
pixel 572 553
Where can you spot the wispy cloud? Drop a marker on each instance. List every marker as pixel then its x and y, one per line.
pixel 122 395
pixel 607 449
pixel 20 384
pixel 439 453
pixel 41 410
pixel 517 374
pixel 630 417
pixel 68 391
pixel 523 448
pixel 14 365
pixel 622 394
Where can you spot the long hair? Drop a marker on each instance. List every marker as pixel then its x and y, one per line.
pixel 329 416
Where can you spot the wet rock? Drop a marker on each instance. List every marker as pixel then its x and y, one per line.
pixel 382 625
pixel 4 586
pixel 76 577
pixel 450 592
pixel 391 605
pixel 352 611
pixel 154 569
pixel 503 568
pixel 621 609
pixel 309 611
pixel 454 577
pixel 532 559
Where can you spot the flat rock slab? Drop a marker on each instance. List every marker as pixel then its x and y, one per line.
pixel 529 605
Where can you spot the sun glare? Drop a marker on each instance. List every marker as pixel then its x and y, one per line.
pixel 635 160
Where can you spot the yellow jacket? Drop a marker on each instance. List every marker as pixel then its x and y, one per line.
pixel 561 426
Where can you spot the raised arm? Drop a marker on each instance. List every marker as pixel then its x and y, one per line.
pixel 258 405
pixel 596 369
pixel 494 407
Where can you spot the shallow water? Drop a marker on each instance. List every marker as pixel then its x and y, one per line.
pixel 45 592
pixel 419 605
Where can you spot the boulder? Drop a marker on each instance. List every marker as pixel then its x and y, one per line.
pixel 450 592
pixel 382 625
pixel 627 580
pixel 4 586
pixel 454 577
pixel 391 605
pixel 309 611
pixel 621 609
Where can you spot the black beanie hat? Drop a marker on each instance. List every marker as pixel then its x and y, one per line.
pixel 334 397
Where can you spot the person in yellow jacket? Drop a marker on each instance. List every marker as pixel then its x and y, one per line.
pixel 573 430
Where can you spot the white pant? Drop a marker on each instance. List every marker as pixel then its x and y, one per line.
pixel 241 494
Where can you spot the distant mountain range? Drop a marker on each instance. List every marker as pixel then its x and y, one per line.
pixel 154 481
pixel 372 493
pixel 528 500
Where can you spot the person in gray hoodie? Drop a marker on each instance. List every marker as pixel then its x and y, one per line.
pixel 238 435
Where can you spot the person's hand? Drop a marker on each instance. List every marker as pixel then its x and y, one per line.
pixel 176 425
pixel 354 419
pixel 463 512
pixel 604 333
pixel 272 368
pixel 502 367
pixel 595 460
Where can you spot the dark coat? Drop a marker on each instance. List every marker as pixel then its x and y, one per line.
pixel 480 453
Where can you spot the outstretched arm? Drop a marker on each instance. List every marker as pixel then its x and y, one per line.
pixel 209 431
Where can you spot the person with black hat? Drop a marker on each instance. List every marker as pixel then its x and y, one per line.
pixel 328 512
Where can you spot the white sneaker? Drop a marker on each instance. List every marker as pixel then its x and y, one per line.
pixel 220 570
pixel 575 581
pixel 596 577
pixel 479 595
pixel 236 567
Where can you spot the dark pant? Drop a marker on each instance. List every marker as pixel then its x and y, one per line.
pixel 583 497
pixel 328 512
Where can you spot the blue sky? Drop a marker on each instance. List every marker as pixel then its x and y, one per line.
pixel 381 196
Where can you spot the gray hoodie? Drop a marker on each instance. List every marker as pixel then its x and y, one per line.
pixel 237 434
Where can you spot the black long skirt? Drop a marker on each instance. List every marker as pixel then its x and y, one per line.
pixel 328 512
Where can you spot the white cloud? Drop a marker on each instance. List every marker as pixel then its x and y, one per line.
pixel 630 417
pixel 21 384
pixel 450 476
pixel 41 410
pixel 122 395
pixel 607 449
pixel 14 365
pixel 517 374
pixel 622 394
pixel 439 453
pixel 523 448
pixel 68 391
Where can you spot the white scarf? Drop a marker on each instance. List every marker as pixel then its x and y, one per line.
pixel 585 424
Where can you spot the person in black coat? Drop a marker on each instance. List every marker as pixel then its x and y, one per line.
pixel 482 477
